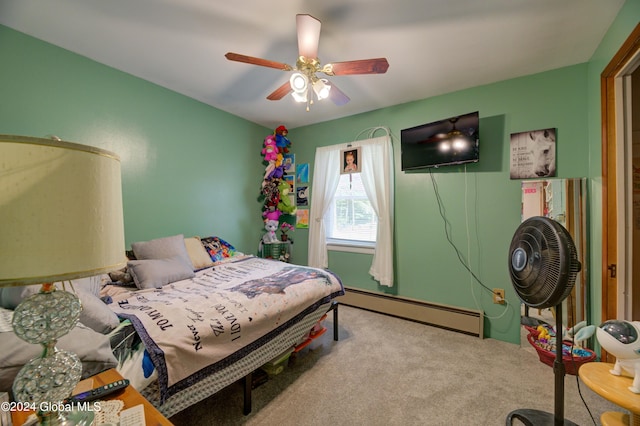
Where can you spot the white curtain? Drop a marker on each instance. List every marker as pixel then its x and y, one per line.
pixel 326 174
pixel 377 178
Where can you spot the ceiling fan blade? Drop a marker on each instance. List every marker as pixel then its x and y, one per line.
pixel 308 35
pixel 280 92
pixel 435 138
pixel 337 96
pixel 363 66
pixel 257 61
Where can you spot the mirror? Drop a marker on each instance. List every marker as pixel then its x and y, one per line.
pixel 565 201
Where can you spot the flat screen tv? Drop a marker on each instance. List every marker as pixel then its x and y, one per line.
pixel 441 143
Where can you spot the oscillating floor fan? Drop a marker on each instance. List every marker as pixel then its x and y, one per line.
pixel 543 264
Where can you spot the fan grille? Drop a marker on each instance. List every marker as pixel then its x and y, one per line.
pixel 543 262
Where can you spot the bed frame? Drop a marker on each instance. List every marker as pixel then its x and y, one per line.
pixel 247 381
pixel 243 369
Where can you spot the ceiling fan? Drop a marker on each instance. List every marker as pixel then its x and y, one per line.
pixel 304 82
pixel 452 134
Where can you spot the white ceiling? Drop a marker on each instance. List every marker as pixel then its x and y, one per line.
pixel 433 46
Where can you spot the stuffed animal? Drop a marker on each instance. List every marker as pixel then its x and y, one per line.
pixel 622 340
pixel 282 142
pixel 579 333
pixel 271 194
pixel 285 205
pixel 272 215
pixel 277 172
pixel 270 150
pixel 270 236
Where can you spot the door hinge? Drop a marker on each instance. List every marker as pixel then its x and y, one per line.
pixel 612 270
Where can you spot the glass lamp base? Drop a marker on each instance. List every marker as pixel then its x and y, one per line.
pixel 48 380
pixel 66 418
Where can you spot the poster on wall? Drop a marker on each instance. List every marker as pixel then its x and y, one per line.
pixel 350 160
pixel 533 154
pixel 290 181
pixel 302 196
pixel 289 161
pixel 302 218
pixel 302 173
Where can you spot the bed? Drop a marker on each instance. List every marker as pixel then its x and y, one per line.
pixel 184 333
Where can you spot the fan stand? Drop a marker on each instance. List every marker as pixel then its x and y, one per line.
pixel 531 417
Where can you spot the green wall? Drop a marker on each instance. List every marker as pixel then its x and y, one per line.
pixel 175 151
pixel 482 204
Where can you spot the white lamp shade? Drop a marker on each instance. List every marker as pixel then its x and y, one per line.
pixel 321 88
pixel 298 82
pixel 61 213
pixel 299 97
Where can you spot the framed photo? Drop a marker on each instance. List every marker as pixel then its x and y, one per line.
pixel 289 161
pixel 289 179
pixel 533 154
pixel 350 160
pixel 302 218
pixel 302 173
pixel 302 196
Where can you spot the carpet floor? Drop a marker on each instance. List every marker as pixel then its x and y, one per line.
pixel 388 371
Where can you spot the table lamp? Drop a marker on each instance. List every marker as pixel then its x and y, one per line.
pixel 61 218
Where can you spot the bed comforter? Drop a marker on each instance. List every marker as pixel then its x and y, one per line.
pixel 193 328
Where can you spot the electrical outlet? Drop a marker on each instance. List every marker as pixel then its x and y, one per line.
pixel 498 296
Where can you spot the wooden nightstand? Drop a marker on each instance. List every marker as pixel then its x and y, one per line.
pixel 129 396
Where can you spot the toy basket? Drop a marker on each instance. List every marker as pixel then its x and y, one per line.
pixel 571 363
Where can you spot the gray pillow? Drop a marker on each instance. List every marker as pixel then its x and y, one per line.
pixel 155 273
pixel 92 348
pixel 163 248
pixel 95 313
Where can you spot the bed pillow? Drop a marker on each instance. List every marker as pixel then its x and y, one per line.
pixel 155 273
pixel 197 253
pixel 92 348
pixel 95 313
pixel 163 248
pixel 218 248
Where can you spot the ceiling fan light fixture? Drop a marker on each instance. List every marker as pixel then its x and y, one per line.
pixel 322 88
pixel 299 97
pixel 459 144
pixel 459 140
pixel 444 146
pixel 299 82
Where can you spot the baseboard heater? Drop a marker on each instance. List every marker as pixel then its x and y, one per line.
pixel 467 321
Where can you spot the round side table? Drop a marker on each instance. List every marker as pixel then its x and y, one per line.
pixel 597 377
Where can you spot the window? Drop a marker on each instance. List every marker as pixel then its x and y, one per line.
pixel 342 215
pixel 350 218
